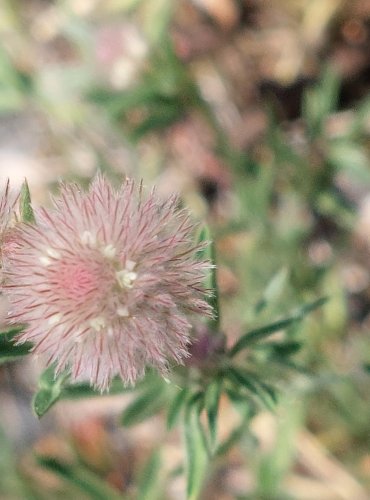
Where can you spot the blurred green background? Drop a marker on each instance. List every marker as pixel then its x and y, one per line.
pixel 258 113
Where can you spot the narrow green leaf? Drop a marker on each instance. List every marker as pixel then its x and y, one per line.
pixel 146 404
pixel 287 363
pixel 236 397
pixel 117 104
pixel 85 390
pixel 81 477
pixel 351 158
pixel 175 407
pixel 44 400
pixel 12 331
pixel 8 350
pixel 280 350
pixel 320 100
pixel 312 306
pixel 160 118
pixel 49 391
pixel 149 481
pixel 204 239
pixel 13 353
pixel 157 17
pixel 46 380
pixel 25 206
pixel 268 394
pixel 197 401
pixel 329 90
pixel 240 379
pixel 212 399
pixel 265 331
pixel 260 333
pixel 284 349
pixel 265 393
pixel 196 453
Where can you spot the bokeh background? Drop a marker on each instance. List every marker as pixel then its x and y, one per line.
pixel 258 113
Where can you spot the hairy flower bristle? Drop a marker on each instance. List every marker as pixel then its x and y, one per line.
pixel 106 281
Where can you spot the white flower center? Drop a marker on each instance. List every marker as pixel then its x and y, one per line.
pixel 130 265
pixel 126 278
pixel 89 239
pixel 45 261
pixel 123 312
pixel 53 320
pixel 98 323
pixel 54 254
pixel 109 251
pixel 50 253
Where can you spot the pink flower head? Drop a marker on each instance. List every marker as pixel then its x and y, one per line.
pixel 106 282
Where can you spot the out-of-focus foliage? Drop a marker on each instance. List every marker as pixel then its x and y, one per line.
pixel 259 115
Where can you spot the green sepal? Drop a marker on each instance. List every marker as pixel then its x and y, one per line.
pixel 25 205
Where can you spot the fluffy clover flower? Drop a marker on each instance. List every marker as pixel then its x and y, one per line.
pixel 106 282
